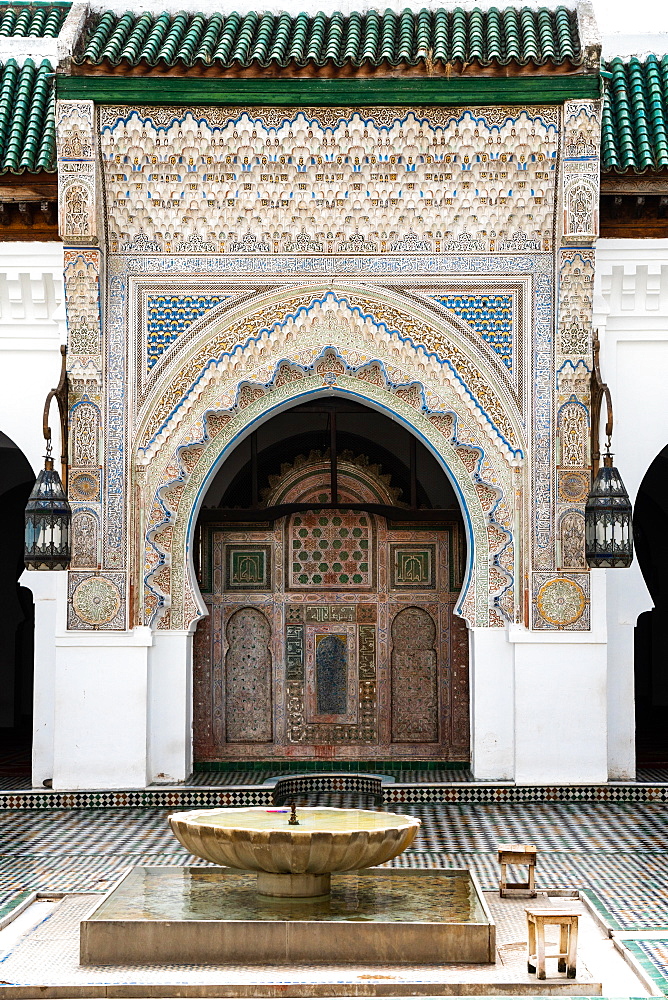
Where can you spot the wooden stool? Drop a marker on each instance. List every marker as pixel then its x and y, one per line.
pixel 567 921
pixel 517 854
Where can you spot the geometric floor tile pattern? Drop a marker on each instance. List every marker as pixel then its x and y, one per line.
pixel 618 853
pixel 653 957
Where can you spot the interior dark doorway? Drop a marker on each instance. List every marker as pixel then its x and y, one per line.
pixel 651 633
pixel 332 552
pixel 17 619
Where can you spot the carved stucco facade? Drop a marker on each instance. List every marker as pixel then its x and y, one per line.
pixel 328 250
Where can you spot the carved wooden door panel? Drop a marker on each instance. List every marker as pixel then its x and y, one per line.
pixel 331 636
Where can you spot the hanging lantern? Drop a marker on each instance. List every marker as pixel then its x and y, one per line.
pixel 608 533
pixel 48 514
pixel 48 518
pixel 608 512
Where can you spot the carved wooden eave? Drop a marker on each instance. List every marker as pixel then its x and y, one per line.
pixel 29 206
pixel 634 205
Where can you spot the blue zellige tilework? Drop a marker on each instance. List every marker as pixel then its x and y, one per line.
pixel 167 316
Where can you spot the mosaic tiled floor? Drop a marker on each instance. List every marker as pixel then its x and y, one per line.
pixel 652 774
pixel 652 956
pixel 53 944
pixel 15 764
pixel 617 854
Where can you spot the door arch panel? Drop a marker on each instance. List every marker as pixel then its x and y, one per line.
pixel 248 696
pixel 414 677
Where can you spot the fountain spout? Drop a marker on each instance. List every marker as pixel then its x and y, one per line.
pixel 293 821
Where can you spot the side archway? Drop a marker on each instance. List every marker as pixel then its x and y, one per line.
pixel 651 632
pixel 17 614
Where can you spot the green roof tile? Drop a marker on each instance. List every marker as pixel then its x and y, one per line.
pixel 27 117
pixel 448 36
pixel 32 20
pixel 635 115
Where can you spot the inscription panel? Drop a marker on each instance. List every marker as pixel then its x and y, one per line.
pixel 247 567
pixel 412 567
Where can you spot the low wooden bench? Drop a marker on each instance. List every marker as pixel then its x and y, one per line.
pixel 517 854
pixel 567 921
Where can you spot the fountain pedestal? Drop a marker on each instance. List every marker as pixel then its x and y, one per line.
pixel 293 886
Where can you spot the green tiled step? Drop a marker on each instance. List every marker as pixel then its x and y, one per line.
pixel 305 766
pixel 181 797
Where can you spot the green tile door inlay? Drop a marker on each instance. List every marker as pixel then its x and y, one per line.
pixel 247 567
pixel 330 550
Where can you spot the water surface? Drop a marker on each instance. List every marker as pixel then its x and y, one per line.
pixel 381 896
pixel 309 819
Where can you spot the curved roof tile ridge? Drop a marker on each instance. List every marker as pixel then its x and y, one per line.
pixel 495 36
pixel 27 117
pixel 635 114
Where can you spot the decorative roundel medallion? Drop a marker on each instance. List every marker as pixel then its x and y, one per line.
pixel 84 486
pixel 573 486
pixel 561 602
pixel 96 600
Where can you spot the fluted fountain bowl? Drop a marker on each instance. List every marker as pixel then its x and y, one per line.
pixel 294 860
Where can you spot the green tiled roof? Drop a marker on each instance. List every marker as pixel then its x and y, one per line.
pixel 635 115
pixel 519 35
pixel 27 118
pixel 32 21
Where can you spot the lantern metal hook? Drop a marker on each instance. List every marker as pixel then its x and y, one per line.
pixel 599 390
pixel 60 394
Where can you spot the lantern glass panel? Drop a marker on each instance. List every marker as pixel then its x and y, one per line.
pixel 47 523
pixel 608 538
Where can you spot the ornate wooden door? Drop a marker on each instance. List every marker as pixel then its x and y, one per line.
pixel 331 635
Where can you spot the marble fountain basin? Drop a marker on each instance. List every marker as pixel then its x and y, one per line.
pixel 294 860
pixel 215 916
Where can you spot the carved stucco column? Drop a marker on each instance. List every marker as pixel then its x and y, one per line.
pixel 96 591
pixel 561 578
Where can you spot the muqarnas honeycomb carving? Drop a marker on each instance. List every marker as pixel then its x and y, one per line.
pixel 312 181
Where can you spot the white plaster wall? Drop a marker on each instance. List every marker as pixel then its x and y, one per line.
pixel 170 707
pixel 100 717
pixel 539 701
pixel 32 328
pixel 631 313
pixel 50 594
pixel 560 712
pixel 492 685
